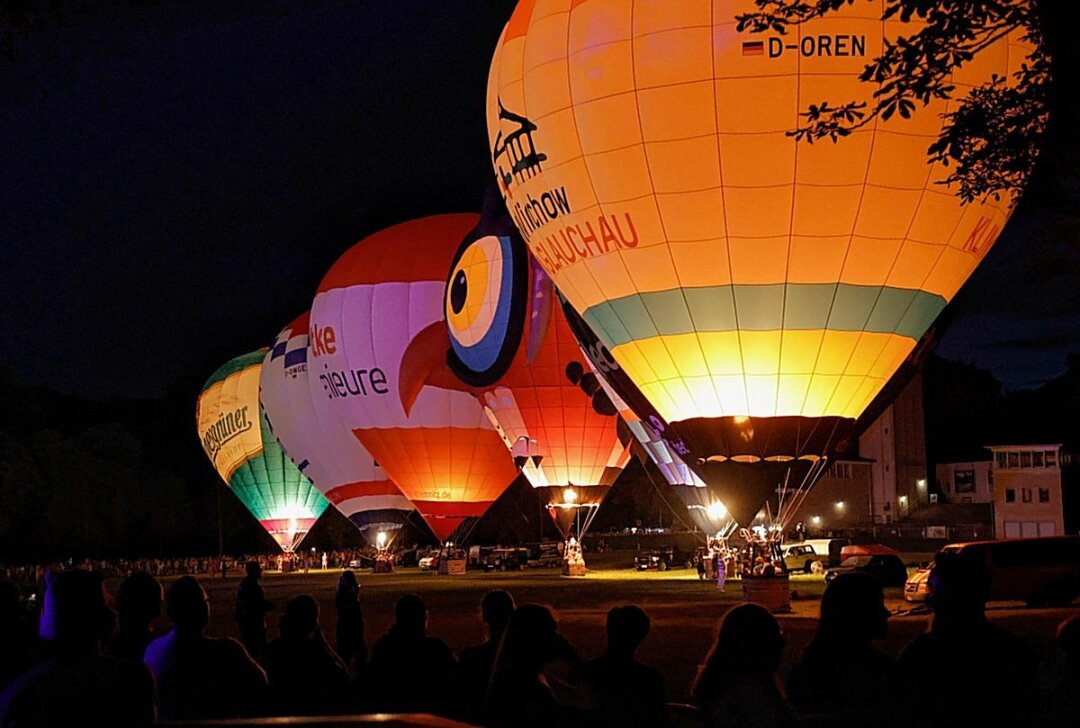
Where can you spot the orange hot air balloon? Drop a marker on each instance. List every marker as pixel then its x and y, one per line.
pixel 510 344
pixel 759 292
pixel 381 299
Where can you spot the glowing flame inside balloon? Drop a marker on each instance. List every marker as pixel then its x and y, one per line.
pixel 570 496
pixel 380 540
pixel 716 510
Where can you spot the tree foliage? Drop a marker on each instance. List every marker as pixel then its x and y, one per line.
pixel 991 138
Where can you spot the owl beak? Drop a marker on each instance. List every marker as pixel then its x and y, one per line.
pixel 424 363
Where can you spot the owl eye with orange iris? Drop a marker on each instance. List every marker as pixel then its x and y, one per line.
pixel 486 299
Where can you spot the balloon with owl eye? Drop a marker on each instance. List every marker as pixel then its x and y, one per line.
pixel 510 345
pixel 327 453
pixel 759 291
pixel 237 439
pixel 376 368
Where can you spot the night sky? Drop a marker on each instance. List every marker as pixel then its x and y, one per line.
pixel 176 176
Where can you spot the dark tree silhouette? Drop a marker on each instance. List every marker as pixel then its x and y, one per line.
pixel 992 138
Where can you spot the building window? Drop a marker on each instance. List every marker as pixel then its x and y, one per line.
pixel 964 481
pixel 1051 459
pixel 1025 459
pixel 841 470
pixel 1037 459
pixel 1014 460
pixel 1010 495
pixel 1025 494
pixel 1044 495
pixel 999 458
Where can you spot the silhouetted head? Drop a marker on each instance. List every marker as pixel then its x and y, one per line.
pixel 187 605
pixel 531 639
pixel 410 614
pixel 253 569
pixel 626 628
pixel 1068 639
pixel 496 608
pixel 747 647
pixel 852 611
pixel 138 600
pixel 347 583
pixel 75 617
pixel 301 617
pixel 959 588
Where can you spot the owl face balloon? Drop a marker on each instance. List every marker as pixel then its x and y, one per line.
pixel 509 341
pixel 758 291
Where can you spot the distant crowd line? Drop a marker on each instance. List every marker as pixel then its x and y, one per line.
pixel 87 663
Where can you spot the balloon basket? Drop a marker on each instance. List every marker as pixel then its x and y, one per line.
pixel 384 566
pixel 451 567
pixel 573 569
pixel 771 592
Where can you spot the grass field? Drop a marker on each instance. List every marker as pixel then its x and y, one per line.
pixel 684 611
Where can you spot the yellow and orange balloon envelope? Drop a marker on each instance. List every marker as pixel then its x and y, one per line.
pixel 758 291
pixel 373 366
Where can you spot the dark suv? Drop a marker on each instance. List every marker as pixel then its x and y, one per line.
pixel 661 559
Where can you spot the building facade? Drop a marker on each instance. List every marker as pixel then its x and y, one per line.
pixel 1026 490
pixel 971 482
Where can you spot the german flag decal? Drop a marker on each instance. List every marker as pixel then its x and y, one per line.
pixel 753 48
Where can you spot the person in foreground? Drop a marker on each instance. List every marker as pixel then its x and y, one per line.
pixel 201 677
pixel 477 661
pixel 622 691
pixel 306 675
pixel 737 684
pixel 965 670
pixel 78 686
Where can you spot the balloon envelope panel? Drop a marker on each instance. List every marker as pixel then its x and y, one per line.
pixel 327 453
pixel 733 272
pixel 382 299
pixel 237 438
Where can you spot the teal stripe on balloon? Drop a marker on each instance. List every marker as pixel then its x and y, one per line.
pixel 806 306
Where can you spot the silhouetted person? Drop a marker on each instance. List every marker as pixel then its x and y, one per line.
pixel 737 684
pixel 251 609
pixel 138 604
pixel 1061 707
pixel 306 676
pixel 853 616
pixel 411 671
pixel 15 637
pixel 966 671
pixel 519 695
pixel 200 677
pixel 477 661
pixel 77 685
pixel 623 691
pixel 349 635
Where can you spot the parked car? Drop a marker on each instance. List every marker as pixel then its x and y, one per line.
pixel 917 587
pixel 429 562
pixel 803 555
pixel 1034 570
pixel 889 569
pixel 661 559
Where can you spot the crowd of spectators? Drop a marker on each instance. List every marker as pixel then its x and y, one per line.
pixel 85 662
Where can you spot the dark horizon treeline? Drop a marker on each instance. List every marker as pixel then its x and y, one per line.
pixel 82 478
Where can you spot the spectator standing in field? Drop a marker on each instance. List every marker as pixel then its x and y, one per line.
pixel 15 639
pixel 737 685
pixel 624 692
pixel 251 609
pixel 349 634
pixel 476 662
pixel 77 685
pixel 306 675
pixel 200 677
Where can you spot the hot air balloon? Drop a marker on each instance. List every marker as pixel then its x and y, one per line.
pixel 327 453
pixel 509 343
pixel 758 291
pixel 237 438
pixel 384 297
